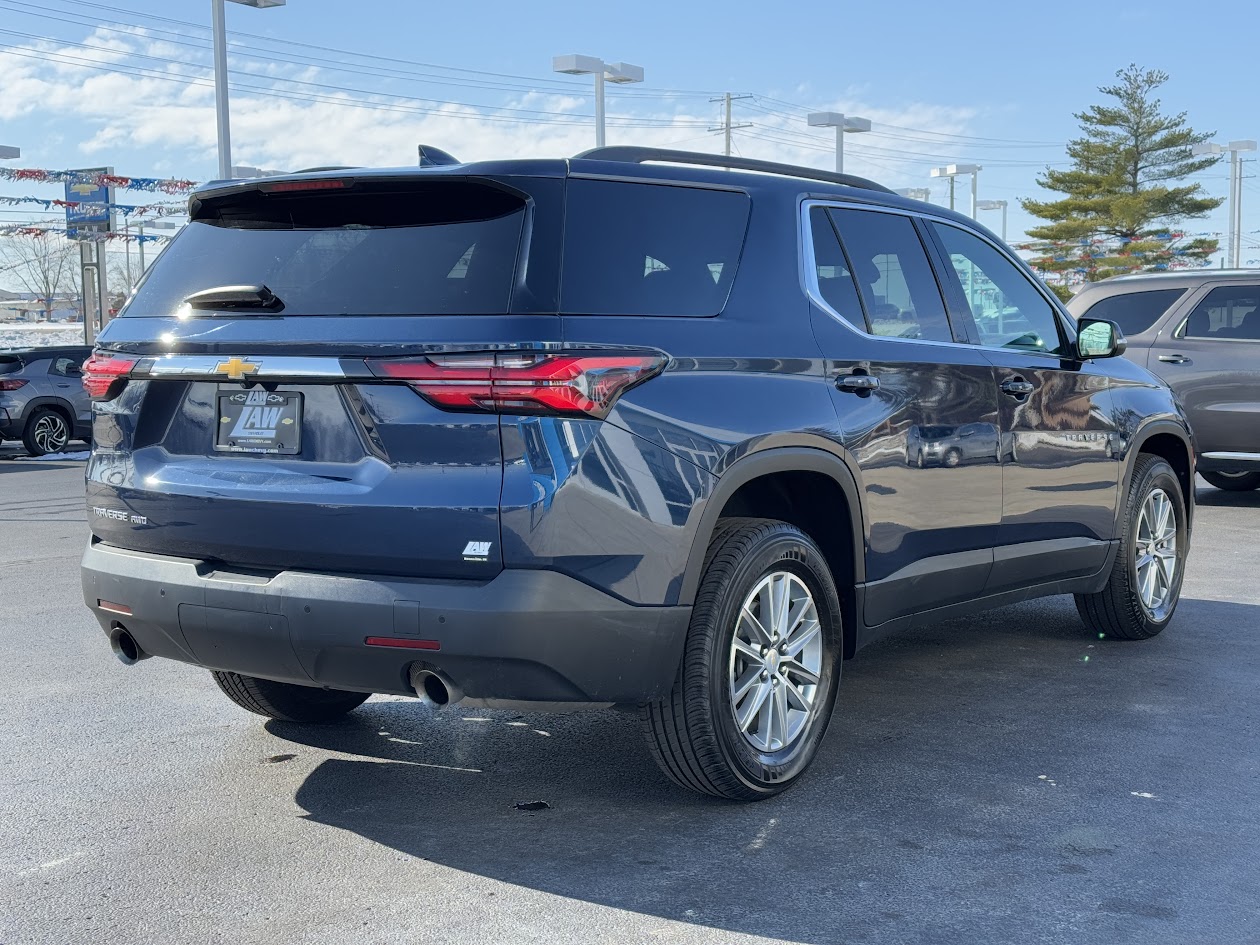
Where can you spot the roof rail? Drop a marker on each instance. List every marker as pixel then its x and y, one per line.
pixel 638 155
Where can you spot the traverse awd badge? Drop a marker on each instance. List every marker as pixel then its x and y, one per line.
pixel 477 551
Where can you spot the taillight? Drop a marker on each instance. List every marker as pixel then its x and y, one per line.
pixel 104 374
pixel 12 384
pixel 570 384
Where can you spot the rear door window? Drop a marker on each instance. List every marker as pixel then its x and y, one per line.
pixel 1134 312
pixel 430 248
pixel 1226 313
pixel 893 274
pixel 831 269
pixel 650 249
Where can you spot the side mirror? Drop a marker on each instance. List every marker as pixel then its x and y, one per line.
pixel 1097 338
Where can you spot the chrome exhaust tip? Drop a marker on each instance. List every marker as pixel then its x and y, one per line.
pixel 125 646
pixel 434 687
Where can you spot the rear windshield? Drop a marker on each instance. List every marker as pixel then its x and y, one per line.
pixel 10 364
pixel 441 248
pixel 1134 312
pixel 650 249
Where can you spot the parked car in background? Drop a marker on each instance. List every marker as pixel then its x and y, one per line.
pixel 1200 332
pixel 42 400
pixel 630 428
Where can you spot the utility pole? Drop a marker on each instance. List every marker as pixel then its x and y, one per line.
pixel 726 126
pixel 1233 251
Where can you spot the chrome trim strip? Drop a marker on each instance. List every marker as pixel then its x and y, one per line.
pixel 1247 457
pixel 196 365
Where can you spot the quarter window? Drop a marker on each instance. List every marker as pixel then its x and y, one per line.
pixel 893 275
pixel 1228 312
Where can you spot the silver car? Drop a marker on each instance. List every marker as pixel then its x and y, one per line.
pixel 42 400
pixel 1200 332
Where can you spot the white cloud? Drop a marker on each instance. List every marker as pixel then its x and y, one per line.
pixel 172 123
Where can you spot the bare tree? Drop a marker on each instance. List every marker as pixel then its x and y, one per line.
pixel 44 265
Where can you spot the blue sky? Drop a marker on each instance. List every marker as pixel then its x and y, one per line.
pixel 989 83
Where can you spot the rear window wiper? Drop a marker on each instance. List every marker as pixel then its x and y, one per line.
pixel 235 296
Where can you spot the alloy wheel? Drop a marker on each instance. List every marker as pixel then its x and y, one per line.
pixel 50 433
pixel 775 662
pixel 1155 553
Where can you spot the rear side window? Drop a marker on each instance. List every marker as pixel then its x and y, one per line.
pixel 1134 312
pixel 835 281
pixel 650 249
pixel 433 248
pixel 10 365
pixel 893 274
pixel 1226 313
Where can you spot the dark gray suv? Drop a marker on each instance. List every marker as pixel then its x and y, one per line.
pixel 1200 332
pixel 42 400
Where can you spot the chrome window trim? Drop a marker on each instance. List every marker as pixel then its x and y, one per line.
pixel 1208 289
pixel 809 273
pixel 1229 454
pixel 269 366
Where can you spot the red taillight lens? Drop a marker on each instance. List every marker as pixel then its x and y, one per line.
pixel 570 384
pixel 104 374
pixel 12 384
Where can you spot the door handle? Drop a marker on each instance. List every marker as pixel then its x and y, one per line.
pixel 1175 359
pixel 857 383
pixel 1016 387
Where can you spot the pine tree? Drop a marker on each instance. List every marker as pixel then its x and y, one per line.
pixel 1123 203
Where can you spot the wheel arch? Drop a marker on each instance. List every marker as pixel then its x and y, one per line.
pixel 53 403
pixel 1169 441
pixel 811 488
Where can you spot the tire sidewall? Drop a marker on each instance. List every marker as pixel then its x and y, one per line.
pixel 1158 475
pixel 786 550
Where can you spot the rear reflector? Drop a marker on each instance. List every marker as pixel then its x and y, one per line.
pixel 566 384
pixel 104 374
pixel 113 608
pixel 403 643
pixel 12 383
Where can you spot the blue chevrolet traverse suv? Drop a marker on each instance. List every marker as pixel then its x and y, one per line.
pixel 640 428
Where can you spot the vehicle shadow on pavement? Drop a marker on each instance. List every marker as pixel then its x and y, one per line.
pixel 1007 777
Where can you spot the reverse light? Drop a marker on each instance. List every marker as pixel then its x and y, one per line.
pixel 567 384
pixel 104 374
pixel 13 383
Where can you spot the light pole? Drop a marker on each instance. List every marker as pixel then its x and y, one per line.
pixel 1235 191
pixel 916 193
pixel 995 205
pixel 619 72
pixel 221 78
pixel 954 170
pixel 8 153
pixel 843 126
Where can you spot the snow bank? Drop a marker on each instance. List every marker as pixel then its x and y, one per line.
pixel 53 457
pixel 39 336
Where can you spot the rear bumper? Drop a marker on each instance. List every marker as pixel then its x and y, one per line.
pixel 527 636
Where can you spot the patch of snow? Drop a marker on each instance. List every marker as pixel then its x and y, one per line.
pixel 39 335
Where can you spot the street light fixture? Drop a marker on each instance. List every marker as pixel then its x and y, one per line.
pixel 619 72
pixel 1235 190
pixel 954 170
pixel 995 205
pixel 221 77
pixel 843 126
pixel 8 153
pixel 916 193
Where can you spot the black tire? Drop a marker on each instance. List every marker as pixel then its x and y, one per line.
pixel 953 458
pixel 1233 482
pixel 1118 609
pixel 46 431
pixel 692 732
pixel 285 701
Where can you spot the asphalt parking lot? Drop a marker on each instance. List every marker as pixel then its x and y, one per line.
pixel 1005 778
